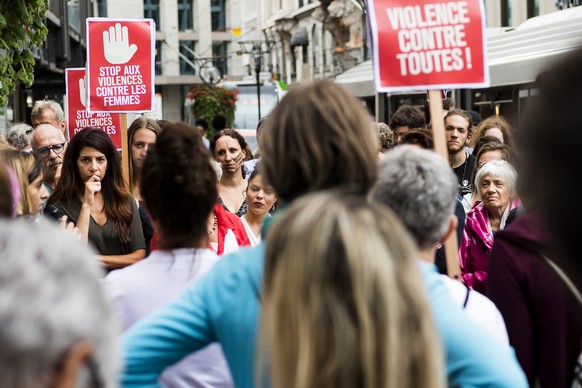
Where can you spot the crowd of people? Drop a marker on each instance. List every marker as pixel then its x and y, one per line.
pixel 317 264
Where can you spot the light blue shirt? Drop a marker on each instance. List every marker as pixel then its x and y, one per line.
pixel 224 307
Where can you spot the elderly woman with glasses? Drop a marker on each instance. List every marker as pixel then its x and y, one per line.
pixel 495 183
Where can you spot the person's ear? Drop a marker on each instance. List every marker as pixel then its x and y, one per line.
pixel 71 365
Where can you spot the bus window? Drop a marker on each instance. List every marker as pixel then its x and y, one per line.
pixel 496 102
pixel 246 115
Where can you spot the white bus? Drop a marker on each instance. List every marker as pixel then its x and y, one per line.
pixel 246 115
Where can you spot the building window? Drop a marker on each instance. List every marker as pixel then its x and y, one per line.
pixel 158 66
pixel 533 8
pixel 73 15
pixel 187 57
pixel 219 51
pixel 218 15
pixel 506 13
pixel 185 15
pixel 151 10
pixel 102 8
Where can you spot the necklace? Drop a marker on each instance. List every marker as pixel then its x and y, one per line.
pixel 465 182
pixel 214 225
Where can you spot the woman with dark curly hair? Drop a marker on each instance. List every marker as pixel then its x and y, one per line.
pixel 178 186
pixel 92 194
pixel 225 231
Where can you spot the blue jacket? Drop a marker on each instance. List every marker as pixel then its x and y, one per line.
pixel 224 306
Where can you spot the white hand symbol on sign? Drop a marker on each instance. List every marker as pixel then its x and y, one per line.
pixel 116 45
pixel 83 92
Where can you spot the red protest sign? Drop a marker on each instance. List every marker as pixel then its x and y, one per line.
pixel 78 117
pixel 120 65
pixel 428 44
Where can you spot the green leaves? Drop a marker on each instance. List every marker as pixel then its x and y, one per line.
pixel 21 29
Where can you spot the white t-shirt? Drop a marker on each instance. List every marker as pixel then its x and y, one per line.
pixel 255 240
pixel 144 287
pixel 479 308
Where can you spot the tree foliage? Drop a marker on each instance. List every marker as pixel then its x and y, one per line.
pixel 21 28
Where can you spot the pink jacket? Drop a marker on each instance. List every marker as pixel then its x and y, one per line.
pixel 476 245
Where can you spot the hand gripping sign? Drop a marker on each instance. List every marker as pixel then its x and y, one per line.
pixel 120 65
pixel 428 44
pixel 78 117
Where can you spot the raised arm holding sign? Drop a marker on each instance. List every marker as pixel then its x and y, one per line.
pixel 427 44
pixel 424 44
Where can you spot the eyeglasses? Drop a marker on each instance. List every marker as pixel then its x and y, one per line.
pixel 44 152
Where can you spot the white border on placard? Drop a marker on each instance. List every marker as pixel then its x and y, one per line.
pixel 388 89
pixel 153 66
pixel 67 107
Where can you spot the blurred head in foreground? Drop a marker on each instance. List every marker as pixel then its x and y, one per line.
pixel 57 328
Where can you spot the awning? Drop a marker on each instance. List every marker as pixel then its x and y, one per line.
pixel 518 56
pixel 358 79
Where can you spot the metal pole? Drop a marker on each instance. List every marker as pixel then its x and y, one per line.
pixel 258 57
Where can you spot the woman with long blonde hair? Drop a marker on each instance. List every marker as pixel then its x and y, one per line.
pixel 345 307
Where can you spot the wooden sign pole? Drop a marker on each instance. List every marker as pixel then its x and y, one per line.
pixel 440 146
pixel 125 152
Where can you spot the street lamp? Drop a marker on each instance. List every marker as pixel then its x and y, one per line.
pixel 257 48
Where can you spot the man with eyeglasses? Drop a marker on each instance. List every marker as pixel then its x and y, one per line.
pixel 49 143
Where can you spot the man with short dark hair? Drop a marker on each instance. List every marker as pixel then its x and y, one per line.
pixel 406 118
pixel 458 130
